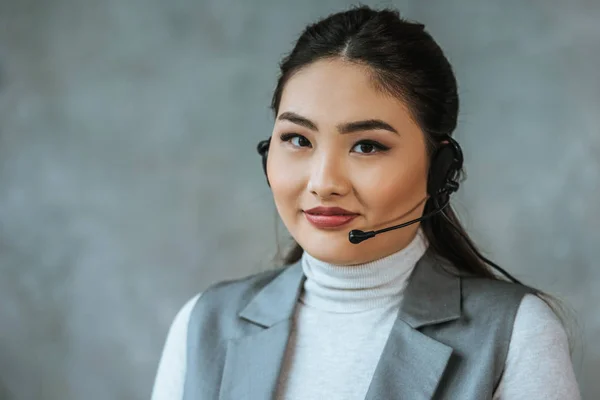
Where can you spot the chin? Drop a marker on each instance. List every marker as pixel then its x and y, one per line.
pixel 334 249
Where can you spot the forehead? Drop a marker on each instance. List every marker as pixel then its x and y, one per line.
pixel 336 90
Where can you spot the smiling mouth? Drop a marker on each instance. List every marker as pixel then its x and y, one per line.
pixel 329 220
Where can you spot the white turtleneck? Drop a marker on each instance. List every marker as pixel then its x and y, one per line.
pixel 342 321
pixel 341 324
pixel 339 289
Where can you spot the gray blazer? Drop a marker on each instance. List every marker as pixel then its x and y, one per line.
pixel 449 341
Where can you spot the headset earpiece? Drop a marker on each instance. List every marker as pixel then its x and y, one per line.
pixel 446 164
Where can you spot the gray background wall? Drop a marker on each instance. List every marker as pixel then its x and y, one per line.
pixel 129 179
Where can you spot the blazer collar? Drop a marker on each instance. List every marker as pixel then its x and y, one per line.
pixel 432 295
pixel 253 361
pixel 277 300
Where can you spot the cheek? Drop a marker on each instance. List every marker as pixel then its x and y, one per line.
pixel 286 183
pixel 397 191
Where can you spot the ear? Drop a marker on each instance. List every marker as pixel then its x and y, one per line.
pixel 263 150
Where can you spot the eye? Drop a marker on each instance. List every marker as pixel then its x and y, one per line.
pixel 367 147
pixel 296 139
pixel 364 146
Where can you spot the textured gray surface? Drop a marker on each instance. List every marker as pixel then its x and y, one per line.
pixel 129 179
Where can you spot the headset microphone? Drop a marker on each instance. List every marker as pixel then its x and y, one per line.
pixel 356 235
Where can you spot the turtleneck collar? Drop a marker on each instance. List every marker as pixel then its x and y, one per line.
pixel 361 287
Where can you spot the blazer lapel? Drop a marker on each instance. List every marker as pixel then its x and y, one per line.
pixel 412 363
pixel 410 366
pixel 253 362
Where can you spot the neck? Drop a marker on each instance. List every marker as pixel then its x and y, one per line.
pixel 360 287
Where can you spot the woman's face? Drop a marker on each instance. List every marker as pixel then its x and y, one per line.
pixel 339 142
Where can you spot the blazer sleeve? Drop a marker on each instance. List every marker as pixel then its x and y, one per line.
pixel 538 364
pixel 170 376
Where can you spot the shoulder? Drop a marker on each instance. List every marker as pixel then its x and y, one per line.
pixel 181 320
pixel 489 309
pixel 492 296
pixel 218 294
pixel 537 328
pixel 169 380
pixel 493 289
pixel 539 360
pixel 221 302
pixel 537 322
pixel 177 335
pixel 240 288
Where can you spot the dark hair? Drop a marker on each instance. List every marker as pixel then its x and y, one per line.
pixel 406 62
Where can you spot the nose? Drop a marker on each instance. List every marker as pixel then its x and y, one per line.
pixel 328 177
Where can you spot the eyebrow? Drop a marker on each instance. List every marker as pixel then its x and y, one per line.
pixel 348 127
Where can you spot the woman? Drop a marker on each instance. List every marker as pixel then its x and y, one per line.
pixel 364 109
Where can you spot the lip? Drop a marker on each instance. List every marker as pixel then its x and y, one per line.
pixel 329 217
pixel 329 221
pixel 329 211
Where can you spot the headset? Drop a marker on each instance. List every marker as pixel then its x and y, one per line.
pixel 442 181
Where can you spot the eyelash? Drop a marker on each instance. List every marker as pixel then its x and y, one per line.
pixel 286 137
